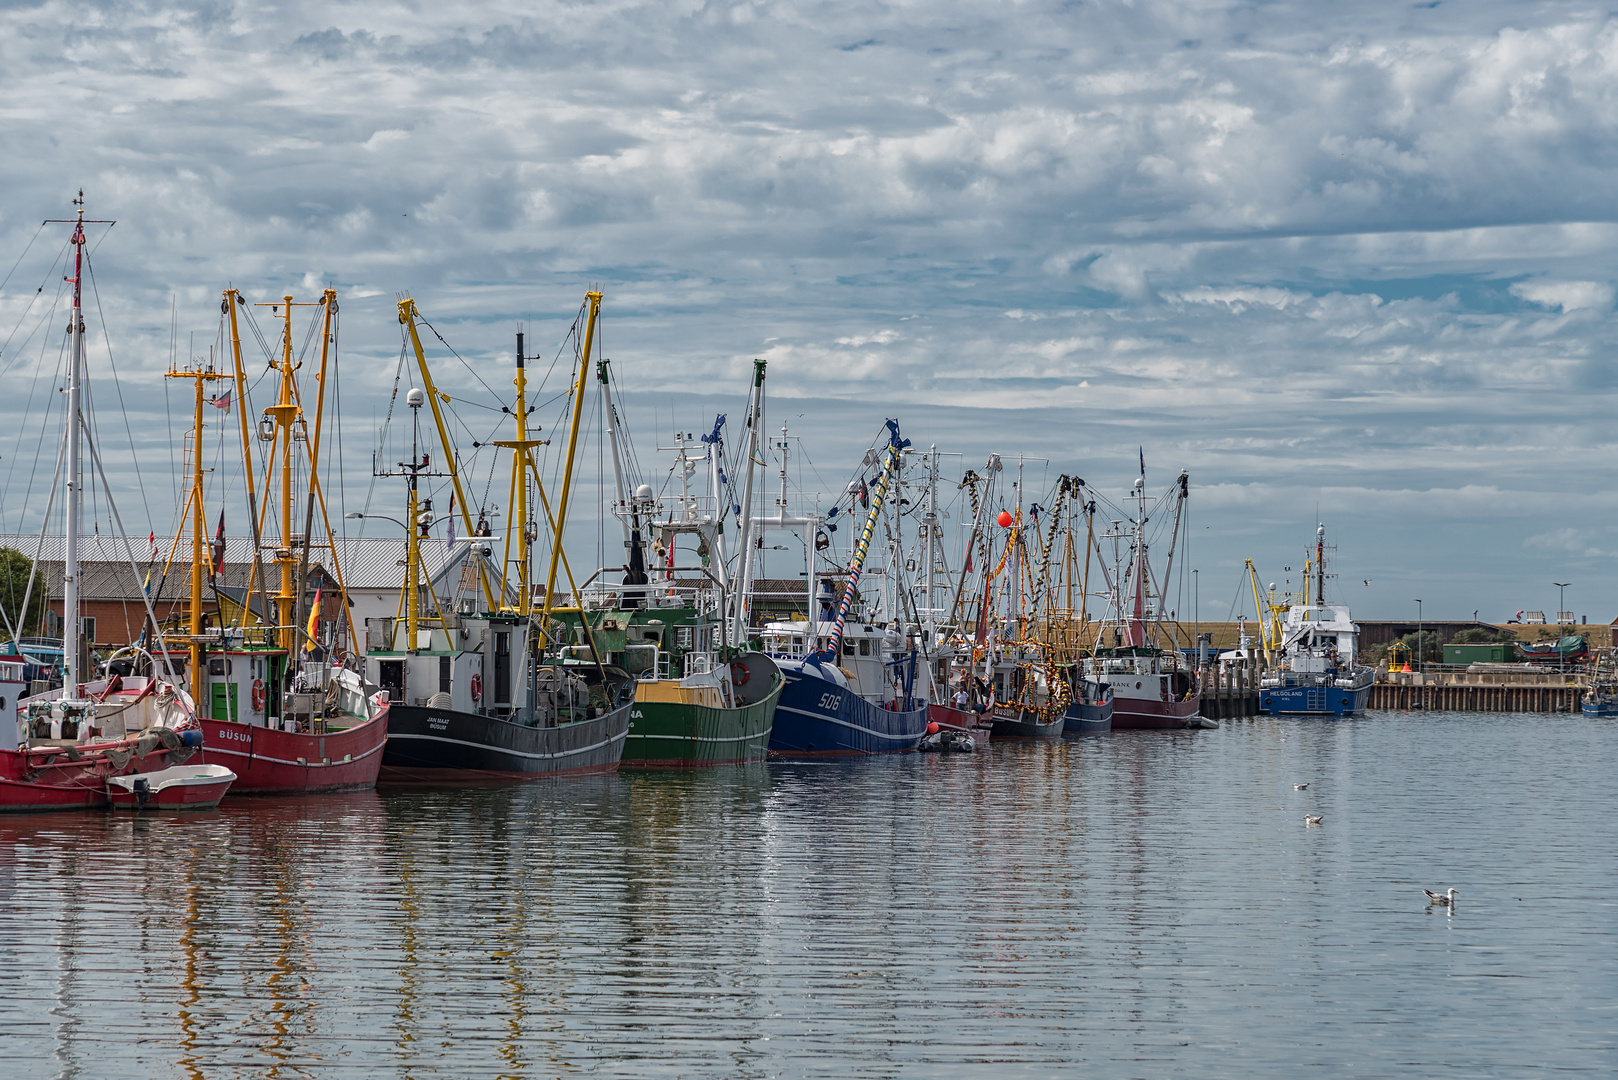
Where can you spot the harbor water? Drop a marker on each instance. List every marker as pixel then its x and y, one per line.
pixel 1139 904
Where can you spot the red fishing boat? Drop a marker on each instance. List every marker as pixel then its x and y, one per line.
pixel 280 707
pixel 1152 686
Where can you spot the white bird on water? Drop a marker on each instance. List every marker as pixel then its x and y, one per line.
pixel 1300 787
pixel 1441 899
pixel 1315 819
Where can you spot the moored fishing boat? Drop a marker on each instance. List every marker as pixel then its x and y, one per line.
pixel 1316 670
pixel 502 693
pixel 1090 710
pixel 698 700
pixel 279 712
pixel 850 686
pixel 1153 687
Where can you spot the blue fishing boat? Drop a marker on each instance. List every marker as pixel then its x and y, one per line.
pixel 1600 701
pixel 1090 710
pixel 1317 672
pixel 850 685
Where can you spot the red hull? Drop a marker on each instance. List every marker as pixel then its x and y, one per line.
pixel 1147 714
pixel 947 716
pixel 177 797
pixel 270 762
pixel 81 785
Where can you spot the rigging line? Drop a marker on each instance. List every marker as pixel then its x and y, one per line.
pixel 263 342
pixel 123 407
pixel 21 257
pixel 457 356
pixel 383 432
pixel 30 306
pixel 33 389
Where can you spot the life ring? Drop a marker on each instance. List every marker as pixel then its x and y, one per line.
pixel 477 687
pixel 739 673
pixel 258 695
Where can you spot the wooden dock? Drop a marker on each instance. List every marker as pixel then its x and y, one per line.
pixel 1230 693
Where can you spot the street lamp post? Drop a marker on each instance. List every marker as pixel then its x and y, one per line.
pixel 1561 603
pixel 380 517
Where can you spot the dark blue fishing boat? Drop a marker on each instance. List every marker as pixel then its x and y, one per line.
pixel 1090 711
pixel 850 687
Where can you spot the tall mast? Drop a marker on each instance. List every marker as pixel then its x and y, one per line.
pixel 621 508
pixel 856 564
pixel 75 466
pixel 285 415
pixel 200 376
pixel 521 465
pixel 1320 564
pixel 744 583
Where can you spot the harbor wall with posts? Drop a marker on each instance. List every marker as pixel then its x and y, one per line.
pixel 1230 690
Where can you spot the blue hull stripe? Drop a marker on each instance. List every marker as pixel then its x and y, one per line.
pixel 819 717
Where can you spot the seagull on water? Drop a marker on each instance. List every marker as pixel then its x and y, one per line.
pixel 1300 787
pixel 1314 819
pixel 1441 899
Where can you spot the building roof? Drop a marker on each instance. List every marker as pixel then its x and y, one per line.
pixel 368 563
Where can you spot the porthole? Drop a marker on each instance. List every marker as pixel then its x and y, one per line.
pixel 1137 686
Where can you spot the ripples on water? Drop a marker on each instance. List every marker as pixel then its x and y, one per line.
pixel 1141 904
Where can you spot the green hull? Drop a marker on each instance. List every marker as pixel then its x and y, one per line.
pixel 673 735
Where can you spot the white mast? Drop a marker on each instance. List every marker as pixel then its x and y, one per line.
pixel 75 467
pixel 744 583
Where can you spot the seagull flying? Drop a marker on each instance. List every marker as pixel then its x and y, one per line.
pixel 1300 787
pixel 1315 819
pixel 1367 582
pixel 1441 899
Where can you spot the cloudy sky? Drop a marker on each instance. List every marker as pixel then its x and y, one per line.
pixel 1359 257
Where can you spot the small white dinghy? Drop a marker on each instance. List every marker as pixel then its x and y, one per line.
pixel 183 787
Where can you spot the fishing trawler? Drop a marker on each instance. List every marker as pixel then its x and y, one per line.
pixel 1152 686
pixel 699 700
pixel 286 711
pixel 71 743
pixel 508 691
pixel 1317 670
pixel 850 683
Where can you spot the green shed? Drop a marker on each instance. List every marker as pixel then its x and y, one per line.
pixel 1488 652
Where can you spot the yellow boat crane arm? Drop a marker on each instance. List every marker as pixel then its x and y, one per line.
pixel 1269 630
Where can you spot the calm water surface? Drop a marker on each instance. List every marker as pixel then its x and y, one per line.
pixel 1142 904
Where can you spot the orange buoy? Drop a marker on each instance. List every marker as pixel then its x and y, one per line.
pixel 932 729
pixel 1005 519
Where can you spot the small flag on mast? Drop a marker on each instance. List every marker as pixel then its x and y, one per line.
pixel 221 402
pixel 219 546
pixel 314 624
pixel 450 531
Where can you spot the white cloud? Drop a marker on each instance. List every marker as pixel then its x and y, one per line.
pixel 1368 248
pixel 1566 295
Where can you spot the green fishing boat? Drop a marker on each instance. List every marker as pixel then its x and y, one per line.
pixel 702 697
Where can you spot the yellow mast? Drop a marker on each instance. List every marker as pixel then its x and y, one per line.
pixel 407 317
pixel 285 414
pixel 200 376
pixel 520 459
pixel 255 572
pixel 593 302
